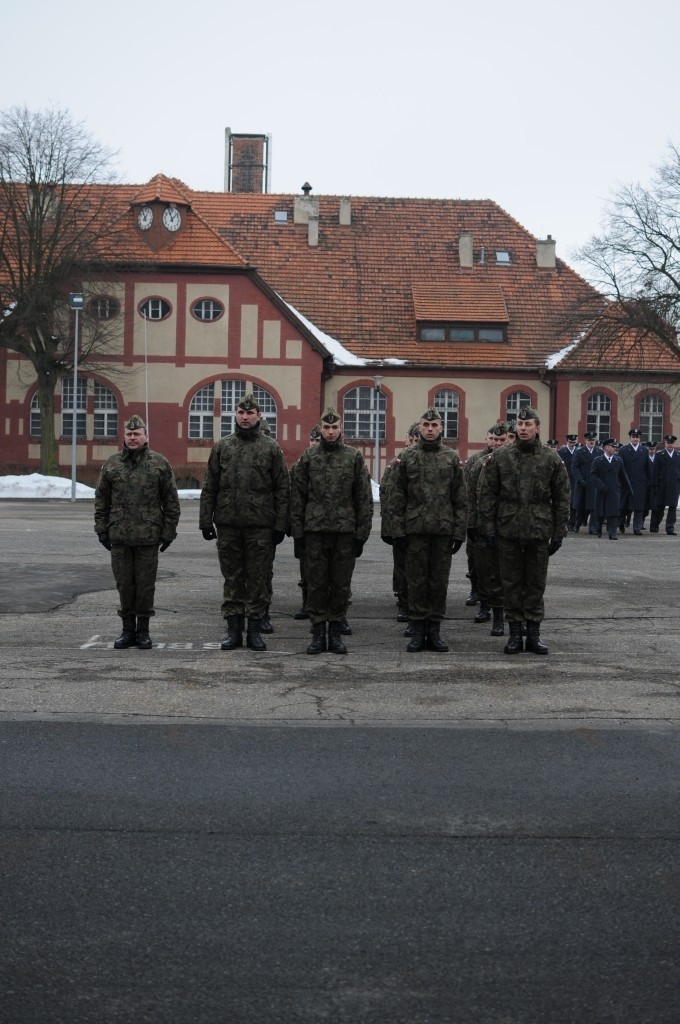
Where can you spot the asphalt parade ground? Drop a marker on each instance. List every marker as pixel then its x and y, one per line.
pixel 192 836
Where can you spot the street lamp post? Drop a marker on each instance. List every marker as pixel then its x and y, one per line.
pixel 376 457
pixel 76 301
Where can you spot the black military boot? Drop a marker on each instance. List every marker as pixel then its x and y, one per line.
pixel 234 637
pixel 417 643
pixel 515 643
pixel 434 641
pixel 128 637
pixel 335 644
pixel 402 613
pixel 497 628
pixel 484 613
pixel 302 613
pixel 534 642
pixel 143 638
pixel 317 644
pixel 473 598
pixel 253 638
pixel 265 622
pixel 345 628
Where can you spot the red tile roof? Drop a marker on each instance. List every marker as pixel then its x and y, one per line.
pixel 460 302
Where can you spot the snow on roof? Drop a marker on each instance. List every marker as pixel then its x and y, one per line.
pixel 341 355
pixel 552 361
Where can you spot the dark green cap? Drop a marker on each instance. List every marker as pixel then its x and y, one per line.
pixel 248 403
pixel 431 414
pixel 331 415
pixel 527 412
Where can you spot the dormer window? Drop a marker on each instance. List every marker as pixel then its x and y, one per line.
pixel 502 257
pixel 462 333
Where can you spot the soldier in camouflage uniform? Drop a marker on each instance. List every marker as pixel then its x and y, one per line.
pixel 429 508
pixel 302 613
pixel 245 505
pixel 331 514
pixel 399 582
pixel 523 508
pixel 487 569
pixel 136 511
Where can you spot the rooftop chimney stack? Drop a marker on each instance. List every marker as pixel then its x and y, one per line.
pixel 545 252
pixel 305 206
pixel 465 252
pixel 247 162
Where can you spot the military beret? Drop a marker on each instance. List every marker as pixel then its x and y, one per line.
pixel 135 423
pixel 430 415
pixel 331 415
pixel 527 412
pixel 248 403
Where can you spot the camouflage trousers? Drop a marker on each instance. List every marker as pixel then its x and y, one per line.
pixel 134 569
pixel 524 573
pixel 328 566
pixel 399 578
pixel 246 562
pixel 428 564
pixel 487 574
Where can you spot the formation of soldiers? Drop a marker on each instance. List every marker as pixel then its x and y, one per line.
pixel 512 504
pixel 616 487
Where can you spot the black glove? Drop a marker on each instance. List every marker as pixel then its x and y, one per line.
pixel 298 546
pixel 358 547
pixel 103 538
pixel 387 540
pixel 554 545
pixel 490 539
pixel 209 533
pixel 164 545
pixel 456 546
pixel 473 533
pixel 279 536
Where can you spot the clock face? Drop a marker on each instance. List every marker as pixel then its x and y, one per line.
pixel 172 218
pixel 145 218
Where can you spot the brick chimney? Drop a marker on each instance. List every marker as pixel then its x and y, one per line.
pixel 247 162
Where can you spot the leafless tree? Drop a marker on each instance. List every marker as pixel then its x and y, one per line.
pixel 59 223
pixel 635 265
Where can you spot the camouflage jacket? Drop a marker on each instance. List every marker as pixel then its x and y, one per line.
pixel 331 492
pixel 524 493
pixel 136 498
pixel 385 497
pixel 428 492
pixel 472 470
pixel 246 484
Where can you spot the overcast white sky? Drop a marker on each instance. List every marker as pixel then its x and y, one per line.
pixel 543 107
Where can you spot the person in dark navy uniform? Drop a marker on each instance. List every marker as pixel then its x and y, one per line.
pixel 612 487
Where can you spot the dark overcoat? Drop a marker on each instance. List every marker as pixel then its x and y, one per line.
pixel 666 479
pixel 581 465
pixel 612 486
pixel 639 472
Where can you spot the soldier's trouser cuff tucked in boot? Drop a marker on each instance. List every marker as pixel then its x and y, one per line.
pixel 417 643
pixel 317 644
pixel 143 638
pixel 253 638
pixel 533 641
pixel 335 644
pixel 434 641
pixel 497 628
pixel 515 643
pixel 234 637
pixel 128 636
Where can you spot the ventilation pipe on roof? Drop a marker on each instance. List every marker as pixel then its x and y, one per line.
pixel 305 206
pixel 545 252
pixel 465 253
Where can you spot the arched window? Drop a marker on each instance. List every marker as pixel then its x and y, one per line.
pixel 447 403
pixel 105 412
pixel 599 414
pixel 363 409
pixel 651 417
pixel 514 402
pixel 202 411
pixel 67 407
pixel 36 425
pixel 202 414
